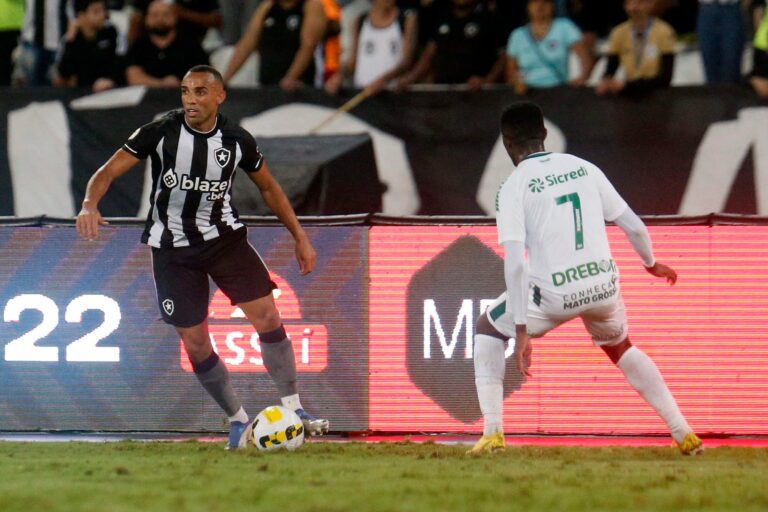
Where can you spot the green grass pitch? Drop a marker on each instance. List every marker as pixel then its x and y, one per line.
pixel 325 476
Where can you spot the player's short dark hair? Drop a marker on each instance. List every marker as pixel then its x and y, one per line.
pixel 82 5
pixel 523 121
pixel 205 68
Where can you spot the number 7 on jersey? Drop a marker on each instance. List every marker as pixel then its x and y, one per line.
pixel 578 227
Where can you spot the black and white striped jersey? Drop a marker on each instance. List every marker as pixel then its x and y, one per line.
pixel 192 176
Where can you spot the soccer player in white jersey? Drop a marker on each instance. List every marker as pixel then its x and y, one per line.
pixel 556 205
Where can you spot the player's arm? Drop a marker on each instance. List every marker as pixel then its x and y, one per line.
pixel 638 236
pixel 277 201
pixel 89 219
pixel 515 277
pixel 510 222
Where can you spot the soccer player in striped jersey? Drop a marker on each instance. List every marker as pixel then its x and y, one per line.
pixel 556 205
pixel 195 233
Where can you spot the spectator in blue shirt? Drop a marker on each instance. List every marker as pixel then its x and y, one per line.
pixel 537 53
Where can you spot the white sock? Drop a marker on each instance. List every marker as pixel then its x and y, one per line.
pixel 291 402
pixel 643 375
pixel 489 381
pixel 240 416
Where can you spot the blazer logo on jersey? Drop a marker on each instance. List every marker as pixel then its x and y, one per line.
pixel 216 188
pixel 170 179
pixel 222 156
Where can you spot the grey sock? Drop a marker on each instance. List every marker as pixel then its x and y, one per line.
pixel 281 365
pixel 214 377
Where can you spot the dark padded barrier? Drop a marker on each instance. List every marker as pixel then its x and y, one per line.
pixel 321 175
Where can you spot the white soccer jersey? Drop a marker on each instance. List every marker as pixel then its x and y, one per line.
pixel 557 205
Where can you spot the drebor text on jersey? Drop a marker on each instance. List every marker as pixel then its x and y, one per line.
pixel 583 271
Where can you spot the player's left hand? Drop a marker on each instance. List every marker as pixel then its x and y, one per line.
pixel 661 270
pixel 305 255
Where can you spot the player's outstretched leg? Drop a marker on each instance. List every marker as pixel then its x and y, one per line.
pixel 279 359
pixel 643 375
pixel 489 381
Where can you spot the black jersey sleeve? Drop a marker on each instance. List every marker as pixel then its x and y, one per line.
pixel 252 159
pixel 144 140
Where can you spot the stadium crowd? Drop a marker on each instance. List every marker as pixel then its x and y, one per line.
pixel 378 44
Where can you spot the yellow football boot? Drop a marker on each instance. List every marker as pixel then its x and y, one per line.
pixel 489 444
pixel 691 445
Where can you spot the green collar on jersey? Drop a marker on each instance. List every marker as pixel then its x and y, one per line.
pixel 536 155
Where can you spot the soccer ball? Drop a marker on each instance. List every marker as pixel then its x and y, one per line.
pixel 276 428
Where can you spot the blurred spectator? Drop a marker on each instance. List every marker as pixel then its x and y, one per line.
pixel 235 15
pixel 680 14
pixel 758 11
pixel 720 29
pixel 466 46
pixel 644 46
pixel 330 52
pixel 194 17
pixel 45 22
pixel 537 54
pixel 162 56
pixel 595 18
pixel 285 33
pixel 759 77
pixel 429 13
pixel 11 21
pixel 383 43
pixel 510 14
pixel 89 55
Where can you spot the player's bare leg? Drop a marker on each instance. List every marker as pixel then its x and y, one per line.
pixel 643 375
pixel 214 376
pixel 489 381
pixel 279 359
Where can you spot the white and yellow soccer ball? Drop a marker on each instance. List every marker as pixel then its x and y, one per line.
pixel 277 428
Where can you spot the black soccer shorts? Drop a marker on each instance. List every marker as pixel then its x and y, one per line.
pixel 181 276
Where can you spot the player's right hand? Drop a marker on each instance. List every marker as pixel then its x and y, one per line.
pixel 661 270
pixel 305 255
pixel 88 222
pixel 523 351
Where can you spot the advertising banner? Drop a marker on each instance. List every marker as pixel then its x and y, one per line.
pixel 708 335
pixel 82 345
pixel 383 334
